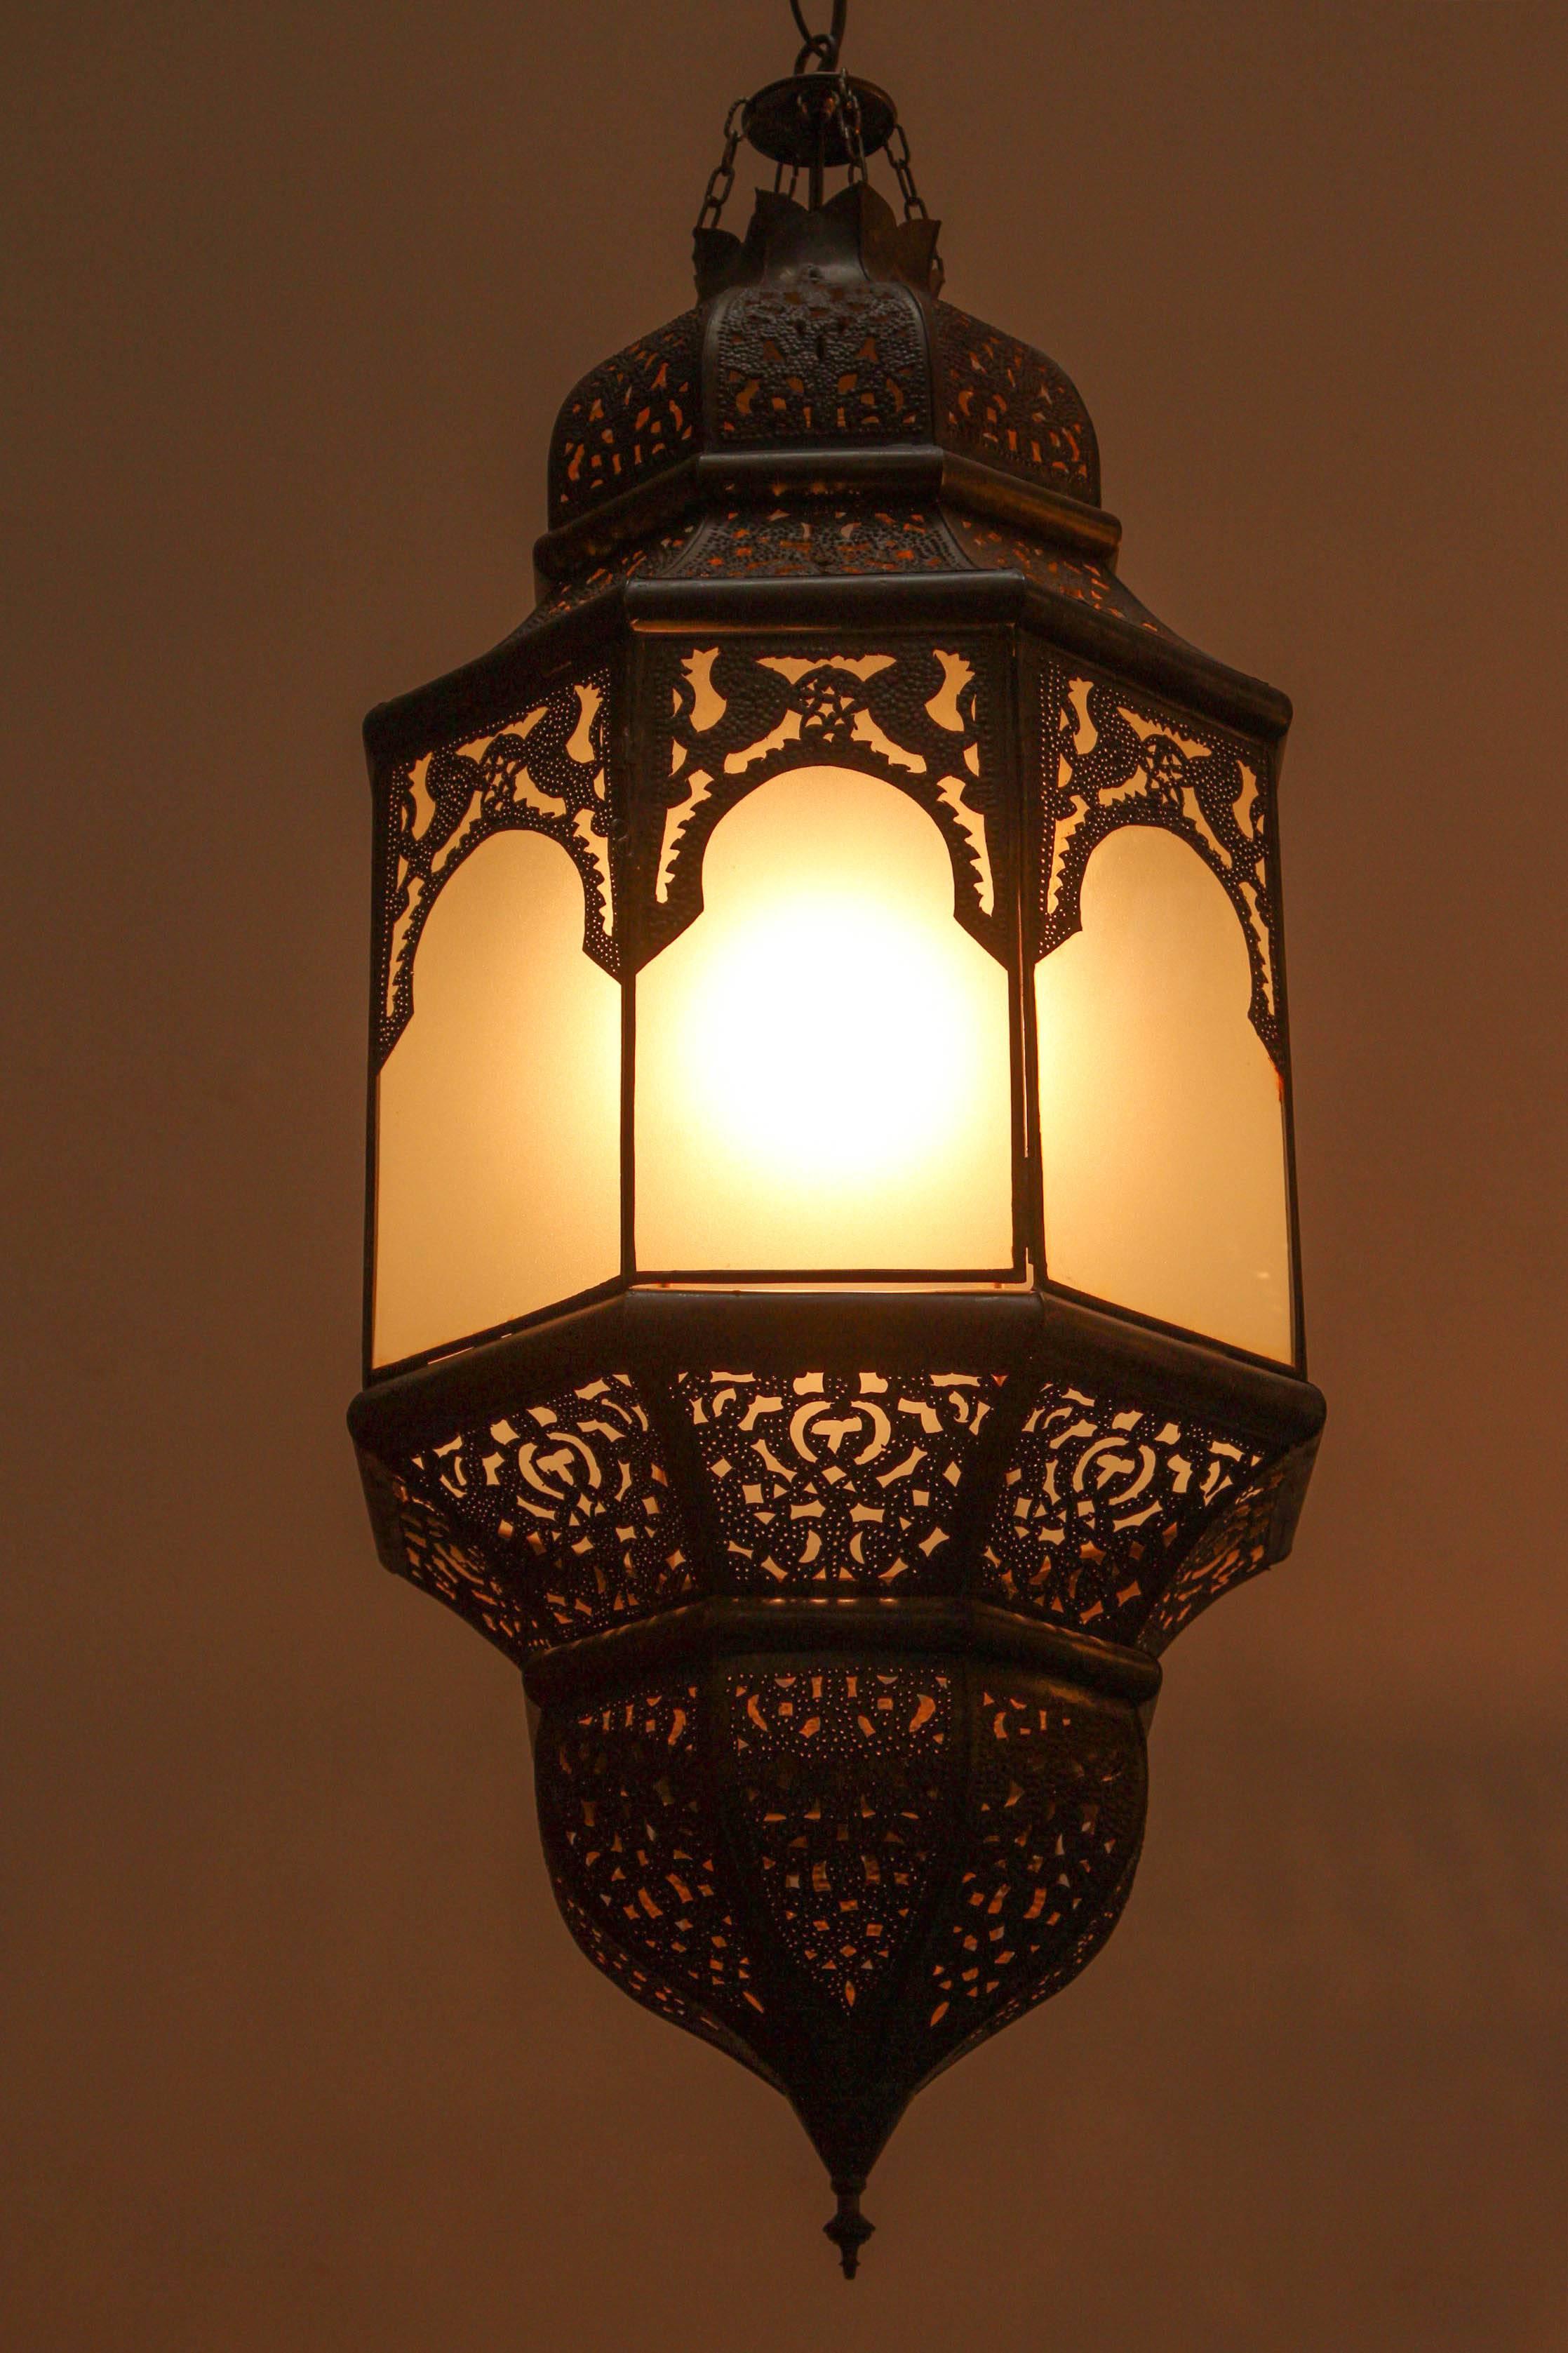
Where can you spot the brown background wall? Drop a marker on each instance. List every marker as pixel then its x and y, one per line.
pixel 299 2054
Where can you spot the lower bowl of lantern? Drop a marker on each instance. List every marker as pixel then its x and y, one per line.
pixel 843 1865
pixel 842 1662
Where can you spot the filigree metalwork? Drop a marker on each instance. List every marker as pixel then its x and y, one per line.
pixel 632 418
pixel 838 360
pixel 1097 1507
pixel 1240 1543
pixel 649 558
pixel 420 1543
pixel 1011 407
pixel 634 1844
pixel 554 1521
pixel 838 1481
pixel 852 537
pixel 842 1800
pixel 843 1873
pixel 992 547
pixel 924 719
pixel 1113 758
pixel 1057 1791
pixel 839 1763
pixel 543 771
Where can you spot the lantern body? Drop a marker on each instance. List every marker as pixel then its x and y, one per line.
pixel 833 1312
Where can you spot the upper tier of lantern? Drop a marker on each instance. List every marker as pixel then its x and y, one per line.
pixel 819 329
pixel 819 362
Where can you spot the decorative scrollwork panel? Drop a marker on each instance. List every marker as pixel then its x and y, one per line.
pixel 431 1555
pixel 565 1507
pixel 927 719
pixel 838 1481
pixel 818 540
pixel 1114 758
pixel 1237 1546
pixel 544 771
pixel 1097 1507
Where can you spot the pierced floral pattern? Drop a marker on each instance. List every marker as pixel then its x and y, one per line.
pixel 541 772
pixel 818 540
pixel 1011 407
pixel 839 361
pixel 434 1557
pixel 609 567
pixel 1239 1546
pixel 836 1482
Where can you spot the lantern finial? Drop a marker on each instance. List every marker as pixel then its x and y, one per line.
pixel 848 2229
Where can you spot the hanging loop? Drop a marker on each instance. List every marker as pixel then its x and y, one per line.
pixel 821 49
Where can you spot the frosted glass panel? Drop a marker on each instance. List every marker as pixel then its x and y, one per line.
pixel 1162 1129
pixel 822 1060
pixel 498 1183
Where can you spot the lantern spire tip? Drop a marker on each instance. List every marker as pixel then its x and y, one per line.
pixel 848 2229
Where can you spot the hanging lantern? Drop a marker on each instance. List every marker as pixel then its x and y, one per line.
pixel 832 1311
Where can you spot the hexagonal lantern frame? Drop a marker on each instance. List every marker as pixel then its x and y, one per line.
pixel 839 1598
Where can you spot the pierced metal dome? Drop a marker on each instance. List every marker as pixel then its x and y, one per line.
pixel 822 412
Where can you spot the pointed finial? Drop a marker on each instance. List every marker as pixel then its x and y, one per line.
pixel 848 2229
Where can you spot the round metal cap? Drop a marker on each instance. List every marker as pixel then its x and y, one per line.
pixel 797 120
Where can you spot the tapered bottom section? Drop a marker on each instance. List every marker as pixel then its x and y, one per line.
pixel 845 1868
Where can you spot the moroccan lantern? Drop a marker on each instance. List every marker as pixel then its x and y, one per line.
pixel 832 1308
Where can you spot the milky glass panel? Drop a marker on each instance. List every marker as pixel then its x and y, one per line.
pixel 822 1070
pixel 498 1168
pixel 1163 1138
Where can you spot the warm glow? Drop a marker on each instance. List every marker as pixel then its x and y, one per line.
pixel 498 1181
pixel 823 1071
pixel 1161 1131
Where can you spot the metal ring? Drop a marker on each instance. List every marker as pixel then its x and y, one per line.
pixel 822 46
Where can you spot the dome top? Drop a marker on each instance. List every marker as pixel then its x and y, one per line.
pixel 820 331
pixel 820 413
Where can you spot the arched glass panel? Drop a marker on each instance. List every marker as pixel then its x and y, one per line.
pixel 822 1066
pixel 1162 1130
pixel 497 1175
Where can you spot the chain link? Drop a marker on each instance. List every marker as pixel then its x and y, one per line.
pixel 854 136
pixel 721 179
pixel 904 171
pixel 823 48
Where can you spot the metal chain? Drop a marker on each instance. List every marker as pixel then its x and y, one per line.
pixel 854 137
pixel 721 179
pixel 904 171
pixel 822 46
